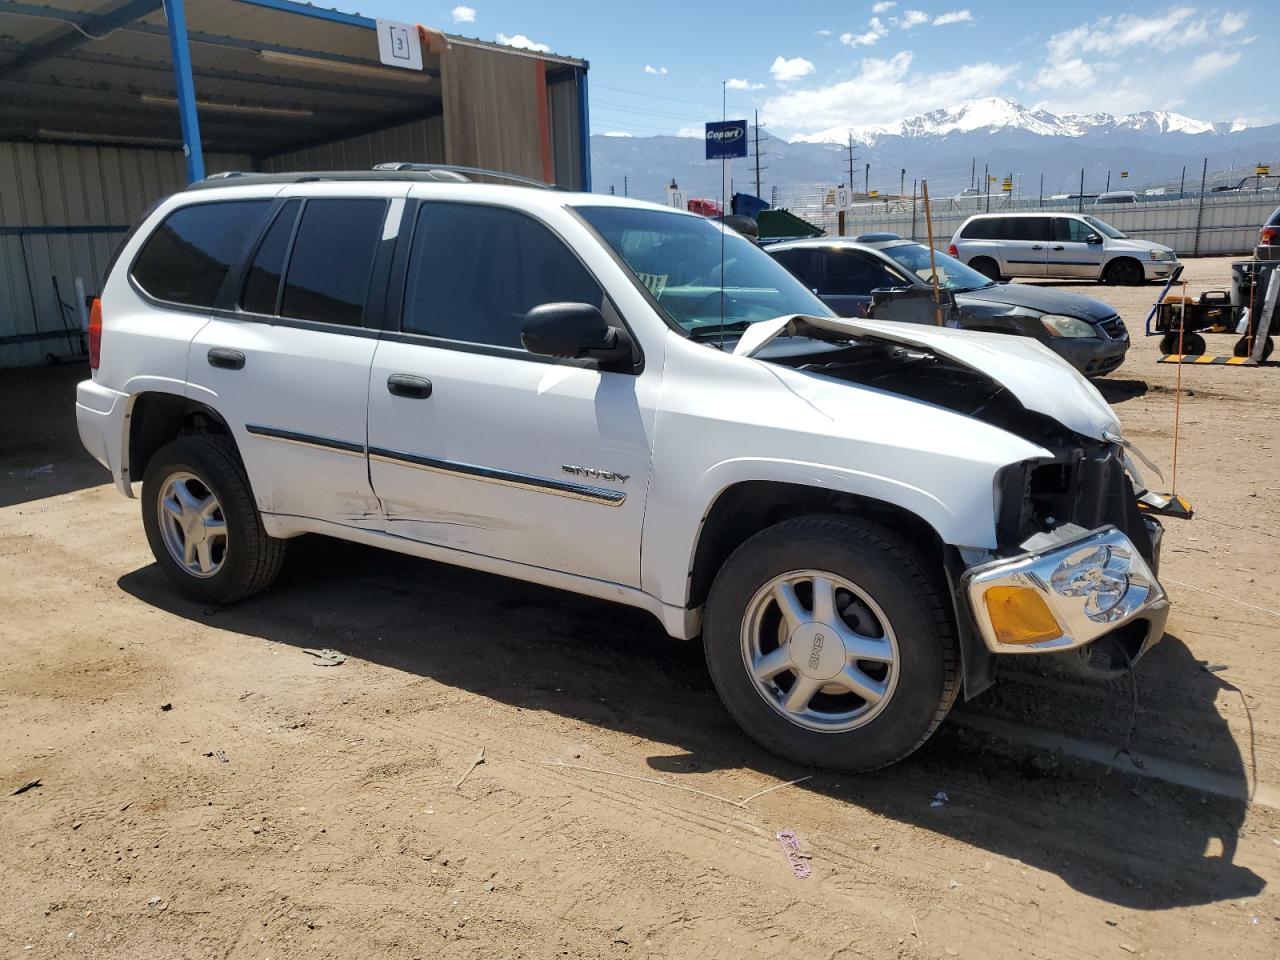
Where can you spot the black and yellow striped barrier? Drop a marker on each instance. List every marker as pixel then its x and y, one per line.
pixel 1206 358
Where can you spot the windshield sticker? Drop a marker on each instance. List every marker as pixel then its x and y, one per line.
pixel 656 282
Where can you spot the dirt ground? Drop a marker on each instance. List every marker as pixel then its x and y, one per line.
pixel 207 790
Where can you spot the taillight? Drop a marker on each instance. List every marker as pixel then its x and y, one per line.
pixel 1270 235
pixel 95 333
pixel 951 249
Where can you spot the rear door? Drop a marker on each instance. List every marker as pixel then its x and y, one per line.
pixel 286 357
pixel 1024 243
pixel 848 278
pixel 1070 253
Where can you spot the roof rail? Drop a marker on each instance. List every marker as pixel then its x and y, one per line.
pixel 461 173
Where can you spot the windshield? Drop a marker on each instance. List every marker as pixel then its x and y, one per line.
pixel 1105 229
pixel 678 258
pixel 952 274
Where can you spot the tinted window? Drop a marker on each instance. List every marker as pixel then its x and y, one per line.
pixel 263 281
pixel 1275 219
pixel 856 274
pixel 952 274
pixel 474 272
pixel 802 265
pixel 984 229
pixel 332 257
pixel 1068 230
pixel 187 258
pixel 1025 228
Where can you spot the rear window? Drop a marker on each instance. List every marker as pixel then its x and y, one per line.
pixel 1275 219
pixel 190 253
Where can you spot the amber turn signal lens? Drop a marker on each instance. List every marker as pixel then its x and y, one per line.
pixel 1020 615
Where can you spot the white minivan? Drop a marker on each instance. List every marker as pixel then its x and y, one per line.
pixel 1066 245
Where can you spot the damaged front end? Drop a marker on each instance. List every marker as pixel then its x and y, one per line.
pixel 1074 571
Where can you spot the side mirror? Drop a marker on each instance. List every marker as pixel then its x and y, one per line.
pixel 573 331
pixel 1093 238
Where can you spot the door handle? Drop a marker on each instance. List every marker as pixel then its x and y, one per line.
pixel 404 385
pixel 1059 247
pixel 227 359
pixel 1037 247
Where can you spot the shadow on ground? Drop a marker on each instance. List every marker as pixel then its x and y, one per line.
pixel 40 451
pixel 1126 840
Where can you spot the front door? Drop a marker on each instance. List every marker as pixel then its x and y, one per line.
pixel 476 444
pixel 287 363
pixel 850 276
pixel 1071 254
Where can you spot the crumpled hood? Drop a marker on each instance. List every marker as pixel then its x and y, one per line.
pixel 1040 299
pixel 1030 371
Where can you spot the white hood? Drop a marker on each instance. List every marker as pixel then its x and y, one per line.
pixel 1030 371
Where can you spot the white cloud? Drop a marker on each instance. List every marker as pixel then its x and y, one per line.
pixel 955 16
pixel 822 33
pixel 522 42
pixel 912 18
pixel 656 71
pixel 1065 74
pixel 885 90
pixel 740 84
pixel 1232 22
pixel 616 133
pixel 785 70
pixel 696 133
pixel 883 7
pixel 876 31
pixel 1215 61
pixel 464 14
pixel 1177 28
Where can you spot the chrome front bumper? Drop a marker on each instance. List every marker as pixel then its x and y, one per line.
pixel 1092 584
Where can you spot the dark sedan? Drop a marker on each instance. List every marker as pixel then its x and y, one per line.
pixel 1085 332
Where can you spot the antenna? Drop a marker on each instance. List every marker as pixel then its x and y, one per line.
pixel 724 115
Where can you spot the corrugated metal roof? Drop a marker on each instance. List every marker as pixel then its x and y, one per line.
pixel 270 75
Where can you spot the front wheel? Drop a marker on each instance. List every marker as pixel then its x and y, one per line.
pixel 1124 272
pixel 829 642
pixel 202 524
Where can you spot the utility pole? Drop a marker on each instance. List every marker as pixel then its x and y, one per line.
pixel 1108 181
pixel 1182 184
pixel 866 179
pixel 757 125
pixel 986 182
pixel 1042 190
pixel 902 182
pixel 973 172
pixel 611 189
pixel 624 187
pixel 1080 195
pixel 1204 174
pixel 851 159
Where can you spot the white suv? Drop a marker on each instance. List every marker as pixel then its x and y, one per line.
pixel 629 402
pixel 1066 245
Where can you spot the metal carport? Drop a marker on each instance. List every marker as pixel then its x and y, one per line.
pixel 92 131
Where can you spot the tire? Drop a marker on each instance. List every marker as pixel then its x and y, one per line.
pixel 1124 271
pixel 241 560
pixel 896 597
pixel 1242 347
pixel 987 267
pixel 1192 344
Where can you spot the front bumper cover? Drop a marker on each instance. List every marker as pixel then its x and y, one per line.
pixel 1143 598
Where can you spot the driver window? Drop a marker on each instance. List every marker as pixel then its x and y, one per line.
pixel 854 275
pixel 1068 230
pixel 475 271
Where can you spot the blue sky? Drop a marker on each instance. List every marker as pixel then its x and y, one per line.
pixel 820 67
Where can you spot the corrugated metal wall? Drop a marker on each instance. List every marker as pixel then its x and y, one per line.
pixel 566 129
pixel 419 141
pixel 63 209
pixel 1228 226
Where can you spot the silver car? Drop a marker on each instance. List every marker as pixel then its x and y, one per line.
pixel 1065 245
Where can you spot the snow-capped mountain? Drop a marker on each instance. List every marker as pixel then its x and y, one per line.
pixel 995 114
pixel 951 147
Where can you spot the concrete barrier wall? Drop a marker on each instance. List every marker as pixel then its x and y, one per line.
pixel 1226 225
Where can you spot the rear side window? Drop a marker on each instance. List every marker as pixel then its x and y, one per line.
pixel 190 253
pixel 1025 228
pixel 856 275
pixel 1275 219
pixel 262 285
pixel 801 264
pixel 984 229
pixel 1069 230
pixel 475 271
pixel 332 259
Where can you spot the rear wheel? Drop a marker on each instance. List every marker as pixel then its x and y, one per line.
pixel 1188 344
pixel 202 524
pixel 1124 272
pixel 830 644
pixel 1244 347
pixel 987 267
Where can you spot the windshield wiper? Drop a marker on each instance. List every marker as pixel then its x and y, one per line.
pixel 712 331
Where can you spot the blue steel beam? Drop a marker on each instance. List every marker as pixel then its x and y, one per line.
pixel 188 116
pixel 319 13
pixel 584 129
pixel 72 38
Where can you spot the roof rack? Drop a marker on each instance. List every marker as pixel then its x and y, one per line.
pixel 430 172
